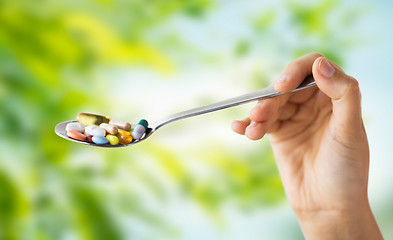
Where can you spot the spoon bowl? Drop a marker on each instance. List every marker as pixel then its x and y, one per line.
pixel 60 130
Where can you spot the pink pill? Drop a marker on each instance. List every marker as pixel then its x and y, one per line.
pixel 76 135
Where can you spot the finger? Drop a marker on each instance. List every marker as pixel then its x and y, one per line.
pixel 343 90
pixel 274 127
pixel 256 130
pixel 265 110
pixel 295 73
pixel 239 126
pixel 303 95
pixel 262 116
pixel 287 111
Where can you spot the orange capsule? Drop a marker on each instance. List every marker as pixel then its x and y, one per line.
pixel 124 137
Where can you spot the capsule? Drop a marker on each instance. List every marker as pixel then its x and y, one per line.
pixel 139 129
pixel 121 124
pixel 89 119
pixel 109 128
pixel 124 137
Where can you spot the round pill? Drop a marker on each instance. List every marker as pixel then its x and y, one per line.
pixel 98 139
pixel 94 131
pixel 76 135
pixel 75 126
pixel 113 140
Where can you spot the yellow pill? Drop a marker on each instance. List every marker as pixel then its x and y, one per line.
pixel 113 140
pixel 89 119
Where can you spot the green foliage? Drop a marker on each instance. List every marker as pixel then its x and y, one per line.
pixel 242 48
pixel 312 18
pixel 49 54
pixel 265 20
pixel 12 208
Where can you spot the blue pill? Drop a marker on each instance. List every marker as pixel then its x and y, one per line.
pixel 97 139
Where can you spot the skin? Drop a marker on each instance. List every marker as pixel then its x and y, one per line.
pixel 321 149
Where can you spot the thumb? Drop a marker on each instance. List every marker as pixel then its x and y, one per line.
pixel 343 90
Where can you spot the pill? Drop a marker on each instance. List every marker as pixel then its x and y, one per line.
pixel 139 129
pixel 121 124
pixel 76 135
pixel 89 119
pixel 124 137
pixel 109 128
pixel 101 129
pixel 113 140
pixel 89 139
pixel 98 139
pixel 75 126
pixel 94 131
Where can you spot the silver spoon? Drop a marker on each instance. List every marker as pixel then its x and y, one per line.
pixel 232 102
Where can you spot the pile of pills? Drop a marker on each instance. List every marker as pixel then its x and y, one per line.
pixel 103 130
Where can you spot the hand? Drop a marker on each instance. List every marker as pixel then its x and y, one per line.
pixel 321 148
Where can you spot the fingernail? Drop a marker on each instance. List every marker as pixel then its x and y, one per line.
pixel 325 68
pixel 252 124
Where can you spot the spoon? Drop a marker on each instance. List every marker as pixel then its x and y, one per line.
pixel 268 92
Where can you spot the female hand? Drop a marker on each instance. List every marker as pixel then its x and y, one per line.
pixel 321 149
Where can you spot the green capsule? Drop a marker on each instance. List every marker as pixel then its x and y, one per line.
pixel 89 119
pixel 144 123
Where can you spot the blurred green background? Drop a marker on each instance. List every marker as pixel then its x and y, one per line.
pixel 132 59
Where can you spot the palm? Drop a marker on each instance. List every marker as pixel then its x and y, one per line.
pixel 303 143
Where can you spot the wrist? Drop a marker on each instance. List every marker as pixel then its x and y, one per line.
pixel 355 223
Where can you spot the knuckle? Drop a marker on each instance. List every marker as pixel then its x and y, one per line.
pixel 292 65
pixel 298 62
pixel 315 55
pixel 353 86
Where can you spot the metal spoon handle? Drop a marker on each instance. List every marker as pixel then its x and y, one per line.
pixel 232 102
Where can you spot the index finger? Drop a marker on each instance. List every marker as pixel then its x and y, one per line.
pixel 295 73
